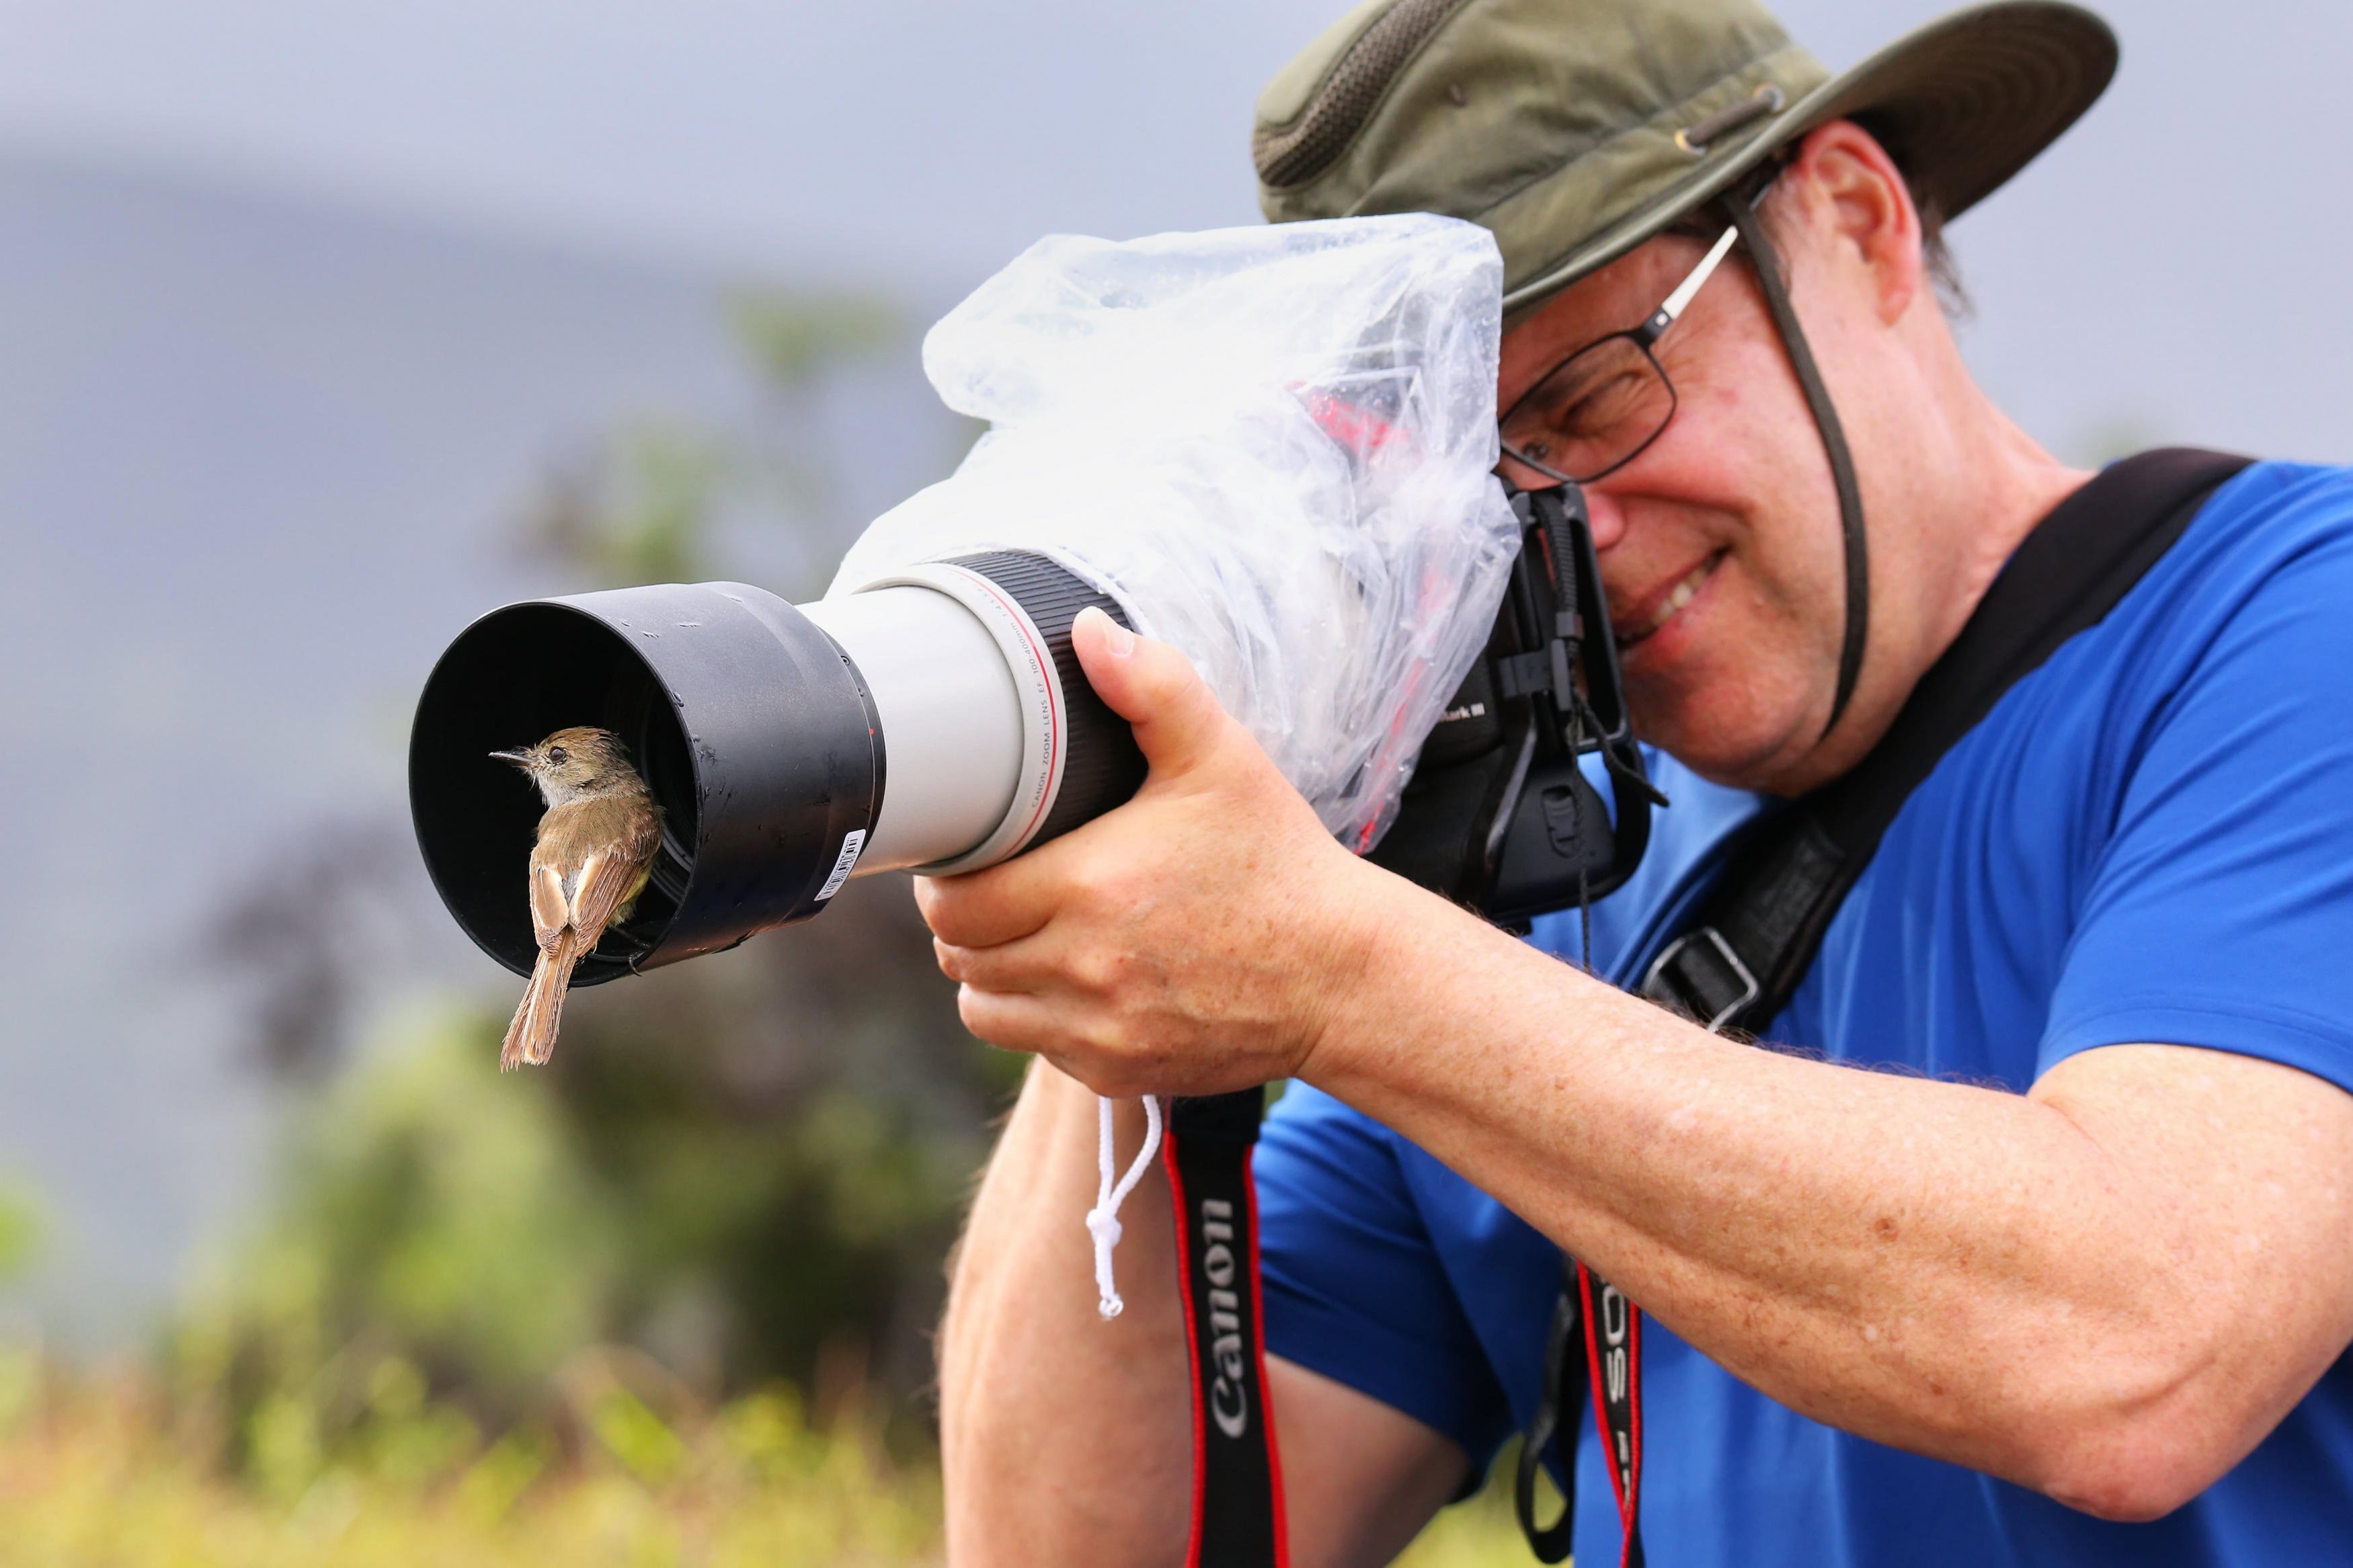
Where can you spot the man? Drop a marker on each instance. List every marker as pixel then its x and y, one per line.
pixel 2074 1285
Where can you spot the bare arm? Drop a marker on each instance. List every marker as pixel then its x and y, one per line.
pixel 1067 1440
pixel 1359 1478
pixel 2107 1290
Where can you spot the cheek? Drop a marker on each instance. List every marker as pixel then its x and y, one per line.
pixel 1741 468
pixel 1740 427
pixel 1753 452
pixel 1757 662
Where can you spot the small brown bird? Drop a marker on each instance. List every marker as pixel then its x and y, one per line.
pixel 596 849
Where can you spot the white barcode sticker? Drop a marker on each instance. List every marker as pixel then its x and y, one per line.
pixel 842 864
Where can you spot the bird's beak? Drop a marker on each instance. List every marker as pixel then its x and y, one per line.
pixel 520 759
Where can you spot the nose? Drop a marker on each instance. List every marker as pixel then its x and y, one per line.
pixel 1606 515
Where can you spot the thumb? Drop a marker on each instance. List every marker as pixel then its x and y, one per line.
pixel 1177 717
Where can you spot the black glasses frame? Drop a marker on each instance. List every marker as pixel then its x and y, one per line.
pixel 1652 329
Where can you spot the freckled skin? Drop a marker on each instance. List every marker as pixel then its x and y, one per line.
pixel 2055 1283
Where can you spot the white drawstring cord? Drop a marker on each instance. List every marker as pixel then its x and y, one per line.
pixel 1103 1220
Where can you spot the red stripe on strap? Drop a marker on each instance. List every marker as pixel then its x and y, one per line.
pixel 1626 1479
pixel 1265 1400
pixel 1192 1345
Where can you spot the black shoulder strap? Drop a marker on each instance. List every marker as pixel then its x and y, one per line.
pixel 1737 965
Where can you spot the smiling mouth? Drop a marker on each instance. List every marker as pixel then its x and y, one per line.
pixel 1681 594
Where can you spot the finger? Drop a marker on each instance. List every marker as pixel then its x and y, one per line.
pixel 1010 969
pixel 1039 1028
pixel 1046 962
pixel 1083 873
pixel 983 909
pixel 1008 1021
pixel 1155 687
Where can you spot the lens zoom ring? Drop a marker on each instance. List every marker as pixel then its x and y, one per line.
pixel 1103 767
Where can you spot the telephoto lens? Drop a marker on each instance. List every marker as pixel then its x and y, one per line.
pixel 1270 449
pixel 935 720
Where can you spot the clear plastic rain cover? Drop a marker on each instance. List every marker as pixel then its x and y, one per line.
pixel 1272 445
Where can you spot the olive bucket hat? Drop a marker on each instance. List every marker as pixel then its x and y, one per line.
pixel 1576 130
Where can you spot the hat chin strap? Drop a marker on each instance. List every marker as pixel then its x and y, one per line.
pixel 1768 265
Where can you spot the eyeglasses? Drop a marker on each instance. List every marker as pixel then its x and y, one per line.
pixel 1596 410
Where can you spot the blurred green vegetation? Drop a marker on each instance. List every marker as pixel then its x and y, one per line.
pixel 100 1472
pixel 746 1170
pixel 117 1470
pixel 21 1230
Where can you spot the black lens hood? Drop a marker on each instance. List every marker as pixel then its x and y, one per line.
pixel 752 727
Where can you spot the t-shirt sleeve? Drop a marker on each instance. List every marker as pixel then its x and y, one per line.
pixel 2217 911
pixel 1354 1289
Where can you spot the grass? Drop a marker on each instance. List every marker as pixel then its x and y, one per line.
pixel 103 1475
pixel 108 1472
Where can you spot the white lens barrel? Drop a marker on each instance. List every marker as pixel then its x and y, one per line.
pixel 950 715
pixel 992 739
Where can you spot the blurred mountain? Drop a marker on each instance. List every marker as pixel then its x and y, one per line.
pixel 259 459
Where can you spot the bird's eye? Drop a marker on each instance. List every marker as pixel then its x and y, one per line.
pixel 558 755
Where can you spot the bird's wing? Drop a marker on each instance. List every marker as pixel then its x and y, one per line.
pixel 608 879
pixel 549 911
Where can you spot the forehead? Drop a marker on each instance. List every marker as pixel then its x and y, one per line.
pixel 1612 299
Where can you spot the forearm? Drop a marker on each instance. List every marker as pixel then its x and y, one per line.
pixel 1957 1270
pixel 1066 1438
pixel 2109 1287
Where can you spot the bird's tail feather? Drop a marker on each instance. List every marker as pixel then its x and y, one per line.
pixel 532 1036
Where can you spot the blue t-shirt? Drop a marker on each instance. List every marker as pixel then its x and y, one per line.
pixel 2149 839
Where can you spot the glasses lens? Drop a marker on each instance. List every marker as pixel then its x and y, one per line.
pixel 1593 411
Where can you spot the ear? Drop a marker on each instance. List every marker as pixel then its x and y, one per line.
pixel 1856 198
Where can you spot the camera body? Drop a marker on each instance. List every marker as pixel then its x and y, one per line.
pixel 1501 814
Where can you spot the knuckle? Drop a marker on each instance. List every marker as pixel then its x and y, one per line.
pixel 983 1018
pixel 1109 1036
pixel 1111 975
pixel 1200 705
pixel 1101 885
pixel 1091 971
pixel 937 905
pixel 1081 869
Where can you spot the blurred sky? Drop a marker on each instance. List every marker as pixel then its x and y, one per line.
pixel 2138 273
pixel 298 299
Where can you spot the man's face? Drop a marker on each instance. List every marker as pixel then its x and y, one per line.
pixel 1719 545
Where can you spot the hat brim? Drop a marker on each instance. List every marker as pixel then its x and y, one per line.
pixel 1961 104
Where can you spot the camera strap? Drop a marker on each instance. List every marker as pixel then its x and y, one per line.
pixel 1237 1475
pixel 1736 965
pixel 1766 262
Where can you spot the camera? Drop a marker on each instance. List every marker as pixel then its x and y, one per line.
pixel 938 720
pixel 1501 814
pixel 1272 448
